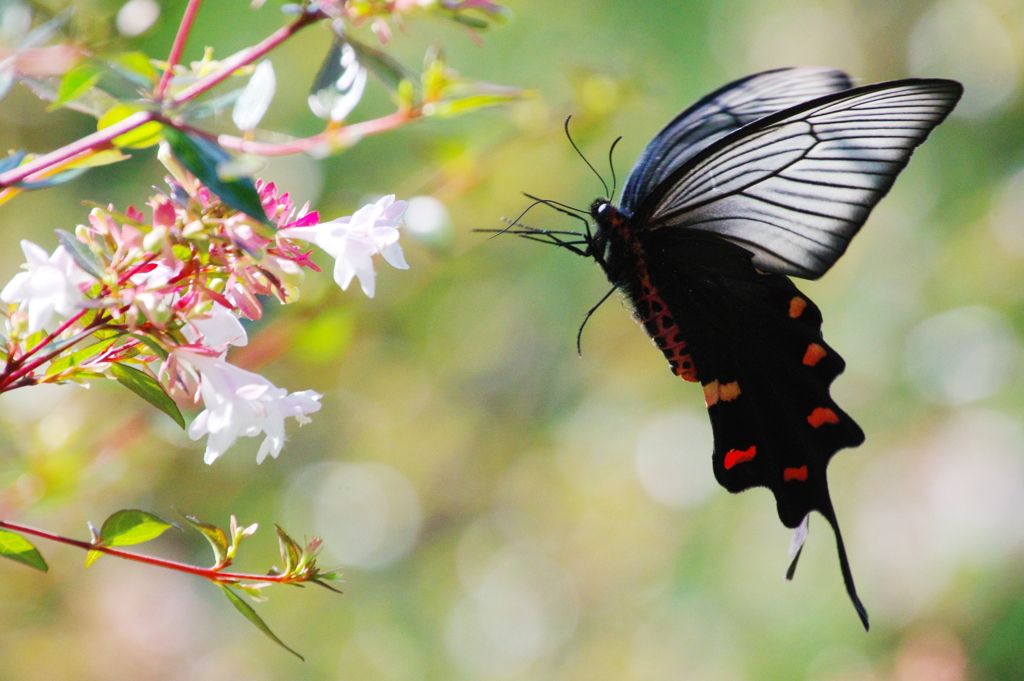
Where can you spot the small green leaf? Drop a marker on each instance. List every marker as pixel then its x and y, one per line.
pixel 146 135
pixel 136 63
pixel 76 358
pixel 54 180
pixel 152 345
pixel 290 551
pixel 467 20
pixel 19 549
pixel 92 557
pixel 250 614
pixel 202 158
pixel 389 71
pixel 81 254
pixel 128 527
pixel 146 387
pixel 75 83
pixel 12 161
pixel 461 105
pixel 215 535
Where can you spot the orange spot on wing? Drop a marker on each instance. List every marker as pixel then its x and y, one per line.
pixel 797 306
pixel 735 456
pixel 729 391
pixel 821 416
pixel 814 354
pixel 711 394
pixel 794 474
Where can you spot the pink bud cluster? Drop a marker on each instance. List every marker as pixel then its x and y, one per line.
pixel 164 296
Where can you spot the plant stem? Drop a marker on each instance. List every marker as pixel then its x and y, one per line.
pixel 247 56
pixel 344 136
pixel 177 48
pixel 88 142
pixel 208 573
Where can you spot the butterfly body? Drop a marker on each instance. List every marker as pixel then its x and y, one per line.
pixel 768 177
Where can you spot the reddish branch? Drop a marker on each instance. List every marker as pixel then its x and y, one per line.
pixel 213 574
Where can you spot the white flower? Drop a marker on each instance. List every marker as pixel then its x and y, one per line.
pixel 353 241
pixel 49 287
pixel 217 330
pixel 241 403
pixel 256 97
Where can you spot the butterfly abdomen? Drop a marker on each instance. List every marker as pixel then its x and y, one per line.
pixel 664 331
pixel 629 269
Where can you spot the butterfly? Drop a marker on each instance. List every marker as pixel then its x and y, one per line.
pixel 767 178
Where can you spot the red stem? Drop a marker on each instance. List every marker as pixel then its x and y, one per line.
pixel 208 573
pixel 346 135
pixel 246 56
pixel 178 47
pixel 87 143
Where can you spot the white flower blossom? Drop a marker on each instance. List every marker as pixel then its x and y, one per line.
pixel 216 331
pixel 49 288
pixel 353 241
pixel 240 403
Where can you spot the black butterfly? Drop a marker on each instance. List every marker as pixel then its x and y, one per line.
pixel 772 175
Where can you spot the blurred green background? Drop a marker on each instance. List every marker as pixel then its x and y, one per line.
pixel 502 508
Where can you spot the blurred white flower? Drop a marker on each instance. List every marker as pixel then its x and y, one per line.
pixel 255 99
pixel 216 331
pixel 336 99
pixel 240 403
pixel 353 241
pixel 49 287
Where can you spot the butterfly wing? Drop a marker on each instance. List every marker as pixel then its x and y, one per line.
pixel 721 112
pixel 794 187
pixel 756 342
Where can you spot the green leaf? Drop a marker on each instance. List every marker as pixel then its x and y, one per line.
pixel 202 158
pixel 461 105
pixel 389 71
pixel 92 557
pixel 54 180
pixel 146 387
pixel 215 535
pixel 81 254
pixel 128 527
pixel 290 551
pixel 250 614
pixel 152 345
pixel 467 20
pixel 146 135
pixel 75 83
pixel 19 549
pixel 76 358
pixel 137 64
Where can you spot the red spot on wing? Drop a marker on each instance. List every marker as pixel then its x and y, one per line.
pixel 735 456
pixel 794 474
pixel 797 306
pixel 821 416
pixel 814 354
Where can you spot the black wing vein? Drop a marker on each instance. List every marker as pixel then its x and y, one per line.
pixel 796 186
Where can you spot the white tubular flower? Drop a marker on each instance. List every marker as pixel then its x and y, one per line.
pixel 49 288
pixel 216 331
pixel 240 403
pixel 353 241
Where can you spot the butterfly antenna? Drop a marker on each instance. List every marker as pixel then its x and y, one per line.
pixel 603 183
pixel 579 336
pixel 516 221
pixel 611 164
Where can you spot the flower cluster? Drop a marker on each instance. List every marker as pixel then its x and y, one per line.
pixel 155 303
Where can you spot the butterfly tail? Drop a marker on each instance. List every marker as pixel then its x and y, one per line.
pixel 844 565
